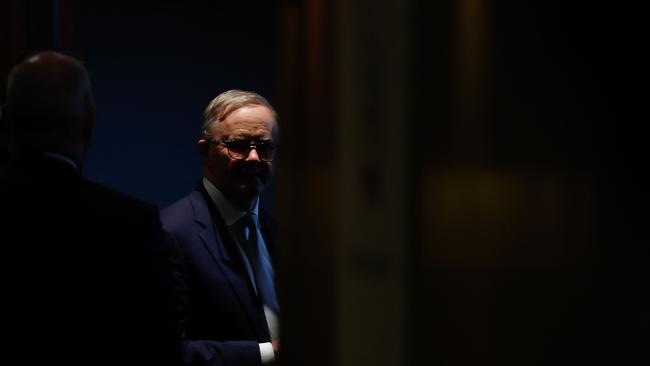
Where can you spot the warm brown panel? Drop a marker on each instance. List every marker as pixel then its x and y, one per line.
pixel 306 211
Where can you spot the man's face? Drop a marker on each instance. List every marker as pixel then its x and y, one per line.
pixel 241 178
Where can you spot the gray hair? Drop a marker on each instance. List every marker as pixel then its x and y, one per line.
pixel 229 101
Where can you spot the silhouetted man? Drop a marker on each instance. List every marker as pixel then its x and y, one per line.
pixel 85 278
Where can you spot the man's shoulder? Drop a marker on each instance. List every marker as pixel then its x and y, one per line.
pixel 180 214
pixel 181 205
pixel 113 201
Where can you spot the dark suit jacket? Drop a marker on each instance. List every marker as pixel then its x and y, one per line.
pixel 84 278
pixel 222 317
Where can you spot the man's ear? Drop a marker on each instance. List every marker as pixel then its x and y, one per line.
pixel 203 147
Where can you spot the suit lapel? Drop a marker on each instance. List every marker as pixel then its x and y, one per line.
pixel 223 249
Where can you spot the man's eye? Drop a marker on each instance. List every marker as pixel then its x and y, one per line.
pixel 265 146
pixel 237 145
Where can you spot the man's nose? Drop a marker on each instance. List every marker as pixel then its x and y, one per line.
pixel 252 155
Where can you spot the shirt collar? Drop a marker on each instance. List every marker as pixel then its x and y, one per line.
pixel 63 158
pixel 229 212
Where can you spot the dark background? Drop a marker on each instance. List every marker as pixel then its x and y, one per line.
pixel 154 66
pixel 516 132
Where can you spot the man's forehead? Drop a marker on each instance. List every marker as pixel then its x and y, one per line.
pixel 252 123
pixel 235 108
pixel 245 125
pixel 247 132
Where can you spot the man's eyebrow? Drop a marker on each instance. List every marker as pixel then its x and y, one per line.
pixel 245 136
pixel 248 140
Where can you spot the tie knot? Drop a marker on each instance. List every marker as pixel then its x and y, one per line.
pixel 251 215
pixel 249 220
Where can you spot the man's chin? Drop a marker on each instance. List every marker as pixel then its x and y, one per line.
pixel 251 189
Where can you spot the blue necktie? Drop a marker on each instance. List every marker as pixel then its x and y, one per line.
pixel 260 261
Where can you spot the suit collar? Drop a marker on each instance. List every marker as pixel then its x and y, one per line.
pixel 64 158
pixel 36 167
pixel 200 208
pixel 219 246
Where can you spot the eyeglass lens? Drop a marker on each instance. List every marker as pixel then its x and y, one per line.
pixel 240 150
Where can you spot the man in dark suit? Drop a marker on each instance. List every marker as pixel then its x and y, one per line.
pixel 223 238
pixel 85 275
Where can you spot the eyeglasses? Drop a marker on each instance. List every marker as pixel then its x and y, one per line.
pixel 240 149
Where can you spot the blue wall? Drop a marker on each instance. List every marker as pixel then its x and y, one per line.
pixel 154 68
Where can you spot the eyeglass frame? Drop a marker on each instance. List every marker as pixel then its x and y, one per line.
pixel 251 145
